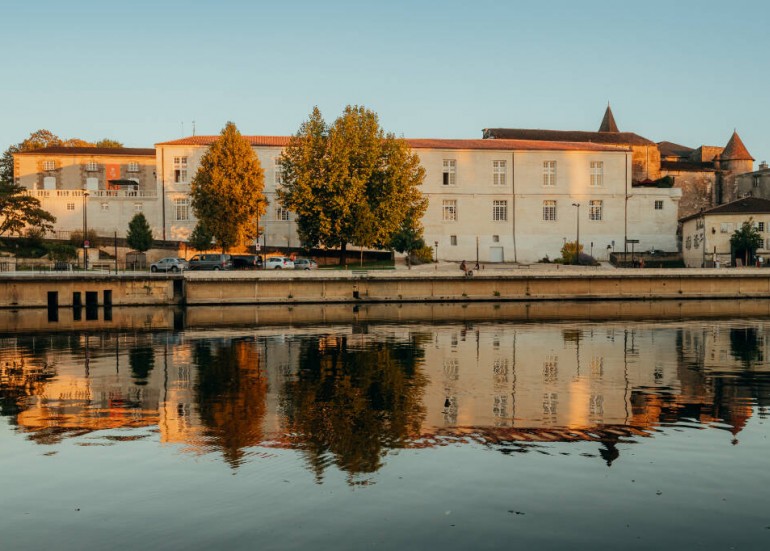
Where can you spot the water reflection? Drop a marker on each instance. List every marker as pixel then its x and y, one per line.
pixel 348 395
pixel 354 398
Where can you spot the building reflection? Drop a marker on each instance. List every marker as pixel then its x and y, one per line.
pixel 347 395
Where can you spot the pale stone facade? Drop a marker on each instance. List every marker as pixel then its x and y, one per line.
pixel 491 200
pixel 111 184
pixel 706 235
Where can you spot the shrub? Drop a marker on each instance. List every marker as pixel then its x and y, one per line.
pixel 62 252
pixel 423 255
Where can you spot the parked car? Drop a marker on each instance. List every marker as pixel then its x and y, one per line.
pixel 279 262
pixel 246 261
pixel 211 262
pixel 305 264
pixel 169 264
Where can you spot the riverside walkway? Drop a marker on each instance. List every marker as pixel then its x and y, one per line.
pixel 442 282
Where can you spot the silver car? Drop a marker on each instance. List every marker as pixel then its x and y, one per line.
pixel 279 262
pixel 305 264
pixel 169 264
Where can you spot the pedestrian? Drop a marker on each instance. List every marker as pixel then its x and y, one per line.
pixel 463 267
pixel 476 267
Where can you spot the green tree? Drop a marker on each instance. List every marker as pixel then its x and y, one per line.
pixel 227 191
pixel 19 210
pixel 746 240
pixel 139 236
pixel 350 182
pixel 76 238
pixel 37 140
pixel 107 142
pixel 408 237
pixel 200 238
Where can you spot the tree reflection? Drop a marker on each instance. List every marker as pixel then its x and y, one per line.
pixel 141 360
pixel 350 403
pixel 744 345
pixel 230 393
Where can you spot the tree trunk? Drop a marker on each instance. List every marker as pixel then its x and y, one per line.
pixel 343 253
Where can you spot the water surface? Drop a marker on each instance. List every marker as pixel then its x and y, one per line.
pixel 350 434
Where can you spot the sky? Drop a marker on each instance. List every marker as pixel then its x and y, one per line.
pixel 142 71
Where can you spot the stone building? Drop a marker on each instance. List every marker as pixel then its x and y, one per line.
pixel 105 186
pixel 754 184
pixel 492 200
pixel 706 175
pixel 706 234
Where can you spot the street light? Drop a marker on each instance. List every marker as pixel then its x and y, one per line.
pixel 436 244
pixel 577 240
pixel 86 244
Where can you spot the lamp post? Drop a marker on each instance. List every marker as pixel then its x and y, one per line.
pixel 86 244
pixel 436 249
pixel 577 239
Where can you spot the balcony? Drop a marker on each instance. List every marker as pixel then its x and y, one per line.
pixel 96 193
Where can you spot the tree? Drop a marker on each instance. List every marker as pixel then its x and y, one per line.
pixel 107 142
pixel 351 182
pixel 746 240
pixel 227 191
pixel 139 236
pixel 36 140
pixel 201 237
pixel 19 210
pixel 408 237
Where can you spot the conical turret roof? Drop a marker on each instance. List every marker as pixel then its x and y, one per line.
pixel 735 150
pixel 608 122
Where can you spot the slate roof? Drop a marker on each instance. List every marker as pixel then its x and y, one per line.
pixel 608 122
pixel 687 166
pixel 115 151
pixel 670 148
pixel 745 205
pixel 616 138
pixel 735 150
pixel 433 143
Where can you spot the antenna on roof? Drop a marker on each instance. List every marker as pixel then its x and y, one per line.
pixel 193 128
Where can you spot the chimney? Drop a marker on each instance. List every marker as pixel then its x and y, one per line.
pixel 763 165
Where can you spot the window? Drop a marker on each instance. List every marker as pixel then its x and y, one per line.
pixel 495 239
pixel 658 205
pixel 133 167
pixel 180 169
pixel 449 172
pixel 105 206
pixel 499 211
pixel 453 240
pixel 182 209
pixel 597 173
pixel 595 210
pixel 49 182
pixel 92 184
pixel 278 171
pixel 49 165
pixel 549 211
pixel 91 166
pixel 549 173
pixel 449 210
pixel 137 208
pixel 725 228
pixel 281 214
pixel 70 206
pixel 498 173
pixel 760 226
pixel 755 182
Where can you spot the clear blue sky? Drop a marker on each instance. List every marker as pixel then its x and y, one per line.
pixel 142 71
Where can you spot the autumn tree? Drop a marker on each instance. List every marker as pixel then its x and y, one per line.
pixel 227 191
pixel 139 236
pixel 350 182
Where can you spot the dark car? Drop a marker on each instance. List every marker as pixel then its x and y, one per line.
pixel 246 261
pixel 211 262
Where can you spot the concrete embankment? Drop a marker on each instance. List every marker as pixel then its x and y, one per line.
pixel 232 288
